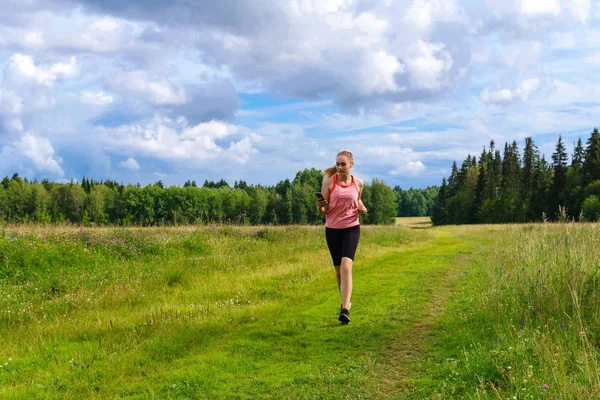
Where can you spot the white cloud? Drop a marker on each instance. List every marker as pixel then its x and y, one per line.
pixel 540 7
pixel 95 98
pixel 107 25
pixel 523 92
pixel 403 161
pixel 102 35
pixel 380 73
pixel 580 9
pixel 425 13
pixel 130 164
pixel 31 39
pixel 13 125
pixel 429 65
pixel 593 60
pixel 34 39
pixel 369 29
pixel 157 92
pixel 564 40
pixel 528 87
pixel 40 151
pixel 27 89
pixel 498 96
pixel 521 55
pixel 23 69
pixel 481 56
pixel 411 168
pixel 211 130
pixel 65 69
pixel 566 91
pixel 165 139
pixel 10 103
pixel 241 150
pixel 319 7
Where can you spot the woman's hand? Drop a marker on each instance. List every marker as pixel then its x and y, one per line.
pixel 362 209
pixel 323 207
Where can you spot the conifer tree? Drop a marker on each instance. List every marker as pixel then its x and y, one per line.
pixel 559 165
pixel 578 155
pixel 479 192
pixel 511 184
pixel 574 183
pixel 497 174
pixel 439 210
pixel 542 178
pixel 452 186
pixel 461 176
pixel 530 156
pixel 530 160
pixel 591 163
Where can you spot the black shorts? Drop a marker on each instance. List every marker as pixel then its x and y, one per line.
pixel 342 243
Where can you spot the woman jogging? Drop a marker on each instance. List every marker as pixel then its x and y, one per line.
pixel 341 205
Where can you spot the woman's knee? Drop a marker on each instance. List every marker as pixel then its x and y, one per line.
pixel 346 263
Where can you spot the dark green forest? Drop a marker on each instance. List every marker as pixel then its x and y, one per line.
pixel 416 202
pixel 108 202
pixel 510 187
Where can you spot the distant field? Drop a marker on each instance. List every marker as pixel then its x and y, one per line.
pixel 251 312
pixel 421 222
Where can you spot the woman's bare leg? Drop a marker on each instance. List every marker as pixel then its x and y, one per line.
pixel 345 281
pixel 338 276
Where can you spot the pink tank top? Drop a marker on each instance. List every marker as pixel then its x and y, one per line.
pixel 343 205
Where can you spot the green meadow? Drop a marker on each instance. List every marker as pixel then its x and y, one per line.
pixel 230 312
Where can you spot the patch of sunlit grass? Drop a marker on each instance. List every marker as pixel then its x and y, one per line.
pixel 526 322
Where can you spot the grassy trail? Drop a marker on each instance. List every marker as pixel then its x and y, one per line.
pixel 437 266
pixel 297 349
pixel 254 318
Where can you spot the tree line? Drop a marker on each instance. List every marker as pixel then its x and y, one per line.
pixel 108 202
pixel 416 202
pixel 508 187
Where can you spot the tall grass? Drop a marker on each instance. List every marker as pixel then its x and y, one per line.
pixel 527 322
pixel 241 312
pixel 210 312
pixel 546 291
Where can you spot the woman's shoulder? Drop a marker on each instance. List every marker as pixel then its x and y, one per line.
pixel 359 182
pixel 328 179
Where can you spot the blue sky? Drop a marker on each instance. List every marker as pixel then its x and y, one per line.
pixel 139 91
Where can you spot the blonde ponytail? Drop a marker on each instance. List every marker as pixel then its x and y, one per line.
pixel 331 171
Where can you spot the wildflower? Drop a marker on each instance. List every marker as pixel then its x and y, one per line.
pixel 545 387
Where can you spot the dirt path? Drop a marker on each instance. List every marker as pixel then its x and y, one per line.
pixel 395 366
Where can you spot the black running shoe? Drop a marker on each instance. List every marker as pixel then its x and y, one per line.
pixel 344 317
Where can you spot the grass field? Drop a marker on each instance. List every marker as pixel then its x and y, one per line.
pixel 474 312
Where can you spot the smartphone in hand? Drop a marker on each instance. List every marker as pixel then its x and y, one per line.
pixel 320 198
